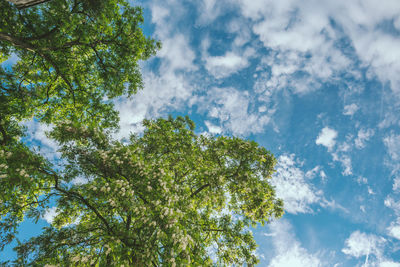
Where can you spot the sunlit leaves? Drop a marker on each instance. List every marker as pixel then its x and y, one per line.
pixel 72 55
pixel 168 197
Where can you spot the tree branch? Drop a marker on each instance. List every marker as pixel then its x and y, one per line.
pixel 3 133
pixel 199 190
pixel 87 204
pixel 29 47
pixel 17 42
pixel 79 197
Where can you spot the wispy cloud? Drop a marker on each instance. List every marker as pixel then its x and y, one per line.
pixel 292 186
pixel 362 137
pixel 288 250
pixel 350 110
pixel 364 245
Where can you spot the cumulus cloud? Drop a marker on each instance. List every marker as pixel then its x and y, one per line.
pixel 327 138
pixel 162 93
pixel 349 110
pixel 234 109
pixel 361 244
pixel 389 264
pixel 301 39
pixel 288 249
pixel 394 230
pixel 50 214
pixel 291 186
pixel 303 35
pixel 213 129
pixel 224 66
pixel 176 54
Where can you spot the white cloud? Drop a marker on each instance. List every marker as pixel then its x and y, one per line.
pixel 224 66
pixel 363 136
pixel 213 129
pixel 288 249
pixel 292 187
pixel 396 184
pixel 389 264
pixel 362 180
pixel 305 30
pixel 345 161
pixel 327 138
pixel 313 172
pixel 349 110
pixel 392 143
pixel 391 203
pixel 322 174
pixel 362 244
pixel 301 39
pixel 176 54
pixel 162 93
pixel 37 134
pixel 234 109
pixel 50 214
pixel 394 231
pixel 209 10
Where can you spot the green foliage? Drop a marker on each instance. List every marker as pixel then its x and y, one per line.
pixel 72 55
pixel 169 197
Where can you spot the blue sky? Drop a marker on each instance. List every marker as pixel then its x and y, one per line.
pixel 315 82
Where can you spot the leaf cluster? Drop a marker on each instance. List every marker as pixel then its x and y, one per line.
pixel 169 197
pixel 72 54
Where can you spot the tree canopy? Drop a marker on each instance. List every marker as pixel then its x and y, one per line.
pixel 169 197
pixel 72 54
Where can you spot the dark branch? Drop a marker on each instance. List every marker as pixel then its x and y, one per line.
pixel 199 190
pixel 3 133
pixel 78 197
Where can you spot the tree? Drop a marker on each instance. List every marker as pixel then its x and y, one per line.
pixel 169 197
pixel 72 54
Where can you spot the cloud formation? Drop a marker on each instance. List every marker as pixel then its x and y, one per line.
pixel 327 138
pixel 292 186
pixel 306 35
pixel 350 110
pixel 288 250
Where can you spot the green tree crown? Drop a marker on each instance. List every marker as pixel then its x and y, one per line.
pixel 169 197
pixel 72 54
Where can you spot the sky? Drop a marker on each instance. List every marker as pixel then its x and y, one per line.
pixel 317 83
